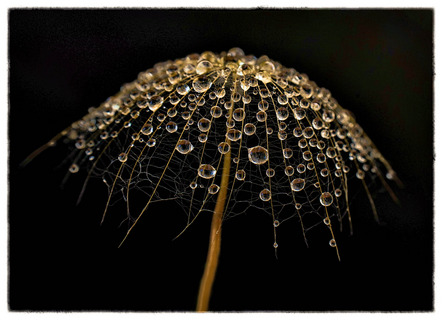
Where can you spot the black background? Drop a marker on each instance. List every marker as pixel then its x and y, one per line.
pixel 377 63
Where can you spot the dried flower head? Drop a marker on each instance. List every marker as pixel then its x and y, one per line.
pixel 228 132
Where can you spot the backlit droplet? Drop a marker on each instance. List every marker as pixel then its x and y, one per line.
pixel 332 243
pixel 258 155
pixel 289 171
pixel 122 157
pixel 261 116
pixel 171 127
pixel 326 221
pixel 151 142
pixel 201 84
pixel 204 125
pixel 249 129
pixel 240 175
pixel 216 112
pixel 74 168
pixel 265 195
pixel 155 103
pixel 297 184
pixel 184 146
pixel 270 172
pixel 275 245
pixel 233 134
pixel 282 113
pixel 214 188
pixel 326 199
pixel 239 114
pixel 288 153
pixel 206 171
pixel 193 185
pixel 223 147
pixel 276 223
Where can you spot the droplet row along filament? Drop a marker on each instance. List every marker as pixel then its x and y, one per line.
pixel 293 147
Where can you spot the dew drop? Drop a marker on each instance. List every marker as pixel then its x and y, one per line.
pixel 204 125
pixel 261 116
pixel 276 223
pixel 216 112
pixel 240 175
pixel 233 134
pixel 265 195
pixel 193 185
pixel 203 66
pixel 249 129
pixel 74 168
pixel 206 171
pixel 155 102
pixel 184 146
pixel 202 138
pixel 171 127
pixel 282 113
pixel 300 168
pixel 201 84
pixel 151 142
pixel 258 155
pixel 332 243
pixel 326 199
pixel 297 184
pixel 289 171
pixel 270 172
pixel 213 189
pixel 239 114
pixel 122 157
pixel 223 147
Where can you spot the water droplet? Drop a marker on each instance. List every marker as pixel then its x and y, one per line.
pixel 202 138
pixel 326 199
pixel 275 245
pixel 183 89
pixel 223 147
pixel 282 135
pixel 240 175
pixel 74 168
pixel 321 158
pixel 204 124
pixel 122 157
pixel 171 127
pixel 261 116
pixel 297 184
pixel 151 142
pixel 216 112
pixel 249 129
pixel 282 113
pixel 203 66
pixel 299 113
pixel 289 171
pixel 360 174
pixel 307 155
pixel 328 116
pixel 201 84
pixel 184 146
pixel 270 172
pixel 206 171
pixel 338 193
pixel 239 114
pixel 332 243
pixel 298 206
pixel 324 172
pixel 193 185
pixel 265 195
pixel 326 221
pixel 330 152
pixel 308 132
pixel 300 168
pixel 276 223
pixel 155 103
pixel 263 105
pixel 233 134
pixel 282 99
pixel 214 188
pixel 258 155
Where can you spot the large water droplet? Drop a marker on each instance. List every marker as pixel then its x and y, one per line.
pixel 223 147
pixel 249 129
pixel 155 102
pixel 233 134
pixel 184 146
pixel 206 171
pixel 265 195
pixel 204 125
pixel 201 84
pixel 326 199
pixel 297 184
pixel 258 155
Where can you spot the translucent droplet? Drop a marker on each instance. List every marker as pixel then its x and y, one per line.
pixel 298 206
pixel 275 245
pixel 321 158
pixel 203 66
pixel 263 105
pixel 172 112
pixel 151 142
pixel 299 113
pixel 326 221
pixel 330 152
pixel 270 172
pixel 289 171
pixel 201 84
pixel 324 172
pixel 240 175
pixel 300 168
pixel 258 155
pixel 206 171
pixel 214 188
pixel 193 185
pixel 326 199
pixel 155 103
pixel 183 89
pixel 332 243
pixel 204 125
pixel 171 127
pixel 317 123
pixel 239 114
pixel 261 116
pixel 249 129
pixel 360 174
pixel 265 195
pixel 282 135
pixel 233 134
pixel 216 112
pixel 328 116
pixel 202 138
pixel 307 155
pixel 282 99
pixel 297 132
pixel 223 147
pixel 338 193
pixel 122 157
pixel 297 184
pixel 74 168
pixel 184 146
pixel 276 223
pixel 282 113
pixel 308 132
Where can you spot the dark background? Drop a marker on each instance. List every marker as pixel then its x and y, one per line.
pixel 376 63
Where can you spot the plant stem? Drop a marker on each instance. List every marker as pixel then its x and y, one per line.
pixel 215 240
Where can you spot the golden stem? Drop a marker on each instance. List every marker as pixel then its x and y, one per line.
pixel 215 240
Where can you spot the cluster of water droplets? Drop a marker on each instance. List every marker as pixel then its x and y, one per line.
pixel 292 147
